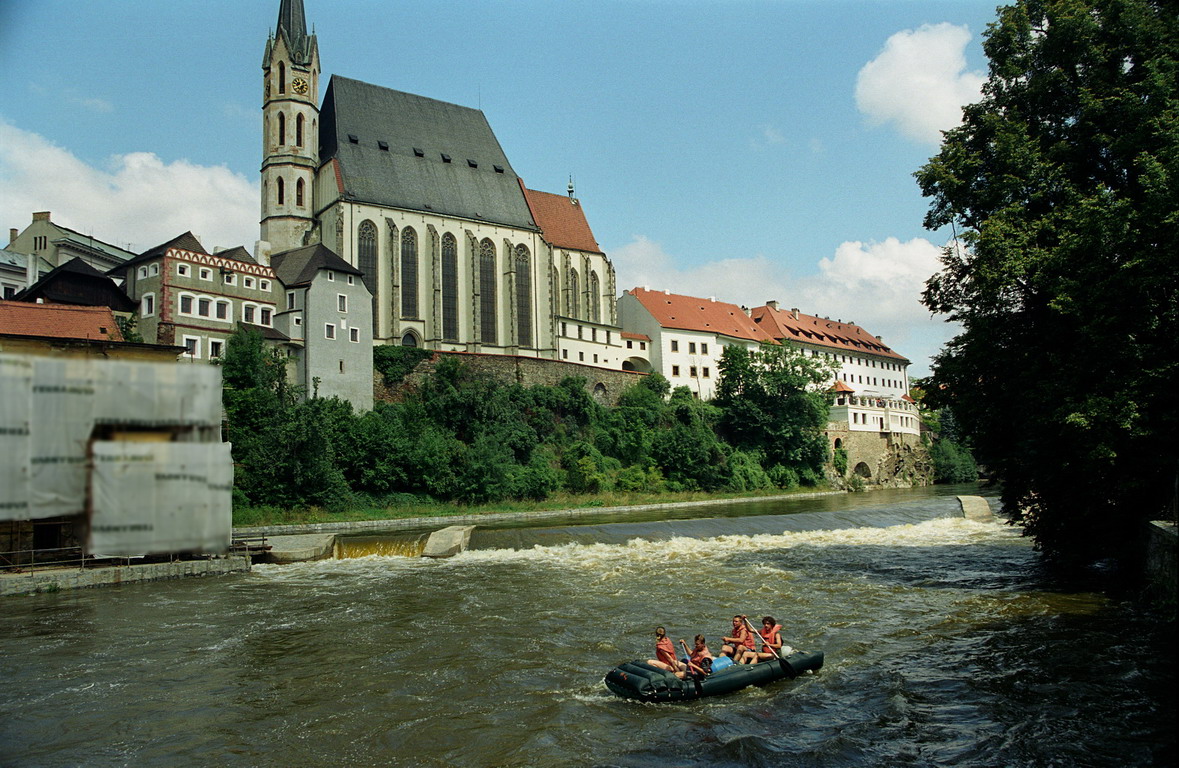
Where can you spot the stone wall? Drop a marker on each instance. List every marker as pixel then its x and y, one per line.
pixel 603 384
pixel 885 459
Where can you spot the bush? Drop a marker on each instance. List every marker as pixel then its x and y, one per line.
pixel 783 477
pixel 395 363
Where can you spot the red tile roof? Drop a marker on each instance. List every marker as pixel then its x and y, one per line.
pixel 635 336
pixel 58 321
pixel 561 220
pixel 819 331
pixel 688 313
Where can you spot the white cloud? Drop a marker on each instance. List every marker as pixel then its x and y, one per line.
pixel 875 285
pixel 919 82
pixel 139 200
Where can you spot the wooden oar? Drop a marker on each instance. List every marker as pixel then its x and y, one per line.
pixel 688 658
pixel 757 635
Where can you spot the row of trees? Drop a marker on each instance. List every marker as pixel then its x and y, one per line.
pixel 468 438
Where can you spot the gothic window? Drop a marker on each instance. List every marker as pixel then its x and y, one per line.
pixel 574 297
pixel 281 190
pixel 595 305
pixel 409 273
pixel 366 254
pixel 450 321
pixel 409 339
pixel 282 77
pixel 487 292
pixel 299 131
pixel 299 193
pixel 282 128
pixel 523 297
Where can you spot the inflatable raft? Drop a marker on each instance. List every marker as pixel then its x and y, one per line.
pixel 639 680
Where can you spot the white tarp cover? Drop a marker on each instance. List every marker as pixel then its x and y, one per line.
pixel 49 408
pixel 160 497
pixel 16 402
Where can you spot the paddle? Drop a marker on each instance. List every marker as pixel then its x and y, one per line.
pixel 756 634
pixel 688 658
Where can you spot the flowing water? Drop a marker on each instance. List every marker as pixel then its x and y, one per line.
pixel 946 644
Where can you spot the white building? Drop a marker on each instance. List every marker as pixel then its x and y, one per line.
pixel 686 336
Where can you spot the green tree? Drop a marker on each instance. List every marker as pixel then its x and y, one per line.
pixel 1063 184
pixel 770 403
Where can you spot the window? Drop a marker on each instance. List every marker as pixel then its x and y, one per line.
pixel 692 371
pixel 564 354
pixel 409 273
pixel 290 299
pixel 642 346
pixel 248 313
pixel 215 348
pixel 204 307
pixel 704 351
pixel 186 305
pixel 354 335
pixel 282 129
pixel 264 285
pixel 564 329
pixel 329 330
pixel 266 316
pixel 351 281
pixel 523 297
pixel 595 358
pixel 222 310
pixel 143 272
pixel 581 357
pixel 675 370
pixel 299 191
pixel 487 319
pixel 409 340
pixel 147 304
pixel 331 276
pixel 450 322
pixel 230 278
pixel 574 296
pixel 691 347
pixel 281 188
pixel 205 273
pixel 282 77
pixel 630 344
pixel 593 334
pixel 298 320
pixel 192 346
pixel 706 372
pixel 249 282
pixel 182 270
pixel 299 143
pixel 594 301
pixel 341 303
pixel 675 346
pixel 580 331
pixel 341 366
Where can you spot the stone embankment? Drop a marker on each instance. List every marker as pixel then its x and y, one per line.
pixel 57 579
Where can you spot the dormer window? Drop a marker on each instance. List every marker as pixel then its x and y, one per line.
pixel 418 152
pixel 472 164
pixel 383 146
pixel 445 158
pixel 353 138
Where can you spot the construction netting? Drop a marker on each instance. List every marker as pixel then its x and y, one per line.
pixel 52 409
pixel 150 498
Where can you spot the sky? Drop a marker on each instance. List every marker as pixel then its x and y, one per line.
pixel 751 150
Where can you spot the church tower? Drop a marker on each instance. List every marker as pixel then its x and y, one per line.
pixel 290 134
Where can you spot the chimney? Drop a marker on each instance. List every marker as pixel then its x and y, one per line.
pixel 712 299
pixel 262 251
pixel 794 312
pixel 12 234
pixel 747 310
pixel 31 271
pixel 772 305
pixel 218 249
pixel 41 216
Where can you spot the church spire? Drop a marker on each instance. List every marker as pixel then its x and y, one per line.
pixel 292 24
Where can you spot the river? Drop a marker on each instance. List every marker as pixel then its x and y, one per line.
pixel 946 644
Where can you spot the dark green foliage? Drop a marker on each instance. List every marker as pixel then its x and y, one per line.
pixel 1064 185
pixel 952 463
pixel 839 461
pixel 394 363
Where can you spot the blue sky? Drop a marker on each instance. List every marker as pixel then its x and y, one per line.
pixel 744 150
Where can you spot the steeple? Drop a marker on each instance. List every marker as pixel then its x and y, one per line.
pixel 292 25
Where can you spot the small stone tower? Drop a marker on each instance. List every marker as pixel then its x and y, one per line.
pixel 290 133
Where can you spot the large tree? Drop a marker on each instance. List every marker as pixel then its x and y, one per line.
pixel 1063 186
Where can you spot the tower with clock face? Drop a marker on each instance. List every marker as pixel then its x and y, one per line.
pixel 290 135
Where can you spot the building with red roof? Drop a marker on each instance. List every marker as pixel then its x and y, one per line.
pixel 687 335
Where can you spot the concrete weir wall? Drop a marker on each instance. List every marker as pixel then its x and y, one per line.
pixel 56 579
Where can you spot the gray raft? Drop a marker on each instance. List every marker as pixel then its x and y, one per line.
pixel 639 680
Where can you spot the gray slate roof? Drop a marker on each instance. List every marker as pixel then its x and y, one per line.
pixel 300 265
pixel 477 182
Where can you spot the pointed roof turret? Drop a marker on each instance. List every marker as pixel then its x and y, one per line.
pixel 292 26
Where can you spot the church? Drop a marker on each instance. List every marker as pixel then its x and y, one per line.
pixel 458 254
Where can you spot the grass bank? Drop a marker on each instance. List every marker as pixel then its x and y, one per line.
pixel 263 516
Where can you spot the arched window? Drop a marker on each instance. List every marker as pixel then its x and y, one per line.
pixel 523 297
pixel 299 130
pixel 450 322
pixel 487 292
pixel 595 304
pixel 409 273
pixel 299 193
pixel 409 339
pixel 282 77
pixel 281 190
pixel 282 128
pixel 574 296
pixel 366 254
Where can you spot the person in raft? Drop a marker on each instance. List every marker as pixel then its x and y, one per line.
pixel 665 654
pixel 741 641
pixel 770 644
pixel 700 658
